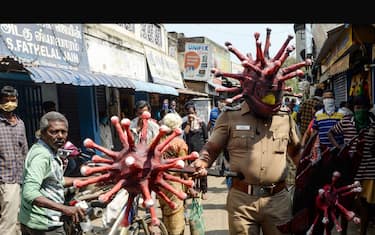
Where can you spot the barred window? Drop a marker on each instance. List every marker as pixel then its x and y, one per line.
pixel 128 27
pixel 151 33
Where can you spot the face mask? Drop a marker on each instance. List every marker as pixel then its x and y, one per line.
pixel 329 105
pixel 9 106
pixel 165 106
pixel 361 118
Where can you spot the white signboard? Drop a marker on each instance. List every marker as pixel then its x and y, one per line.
pixel 164 69
pixel 196 61
pixel 108 59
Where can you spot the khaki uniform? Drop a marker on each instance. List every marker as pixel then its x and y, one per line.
pixel 258 150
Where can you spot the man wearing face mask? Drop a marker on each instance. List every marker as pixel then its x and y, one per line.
pixel 349 126
pixel 13 150
pixel 326 118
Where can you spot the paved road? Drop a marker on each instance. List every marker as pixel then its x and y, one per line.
pixel 215 215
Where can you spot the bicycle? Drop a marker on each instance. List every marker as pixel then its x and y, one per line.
pixel 139 225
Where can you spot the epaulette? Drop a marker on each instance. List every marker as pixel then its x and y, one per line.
pixel 231 108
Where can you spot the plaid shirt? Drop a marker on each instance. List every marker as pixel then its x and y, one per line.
pixel 13 150
pixel 306 113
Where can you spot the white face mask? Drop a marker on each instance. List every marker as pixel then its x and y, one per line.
pixel 329 105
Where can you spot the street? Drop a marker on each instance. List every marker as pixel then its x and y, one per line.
pixel 215 215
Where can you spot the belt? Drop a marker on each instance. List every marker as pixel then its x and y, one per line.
pixel 258 190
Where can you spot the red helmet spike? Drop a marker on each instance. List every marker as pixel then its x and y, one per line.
pixel 262 80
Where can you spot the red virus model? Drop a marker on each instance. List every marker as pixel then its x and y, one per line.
pixel 263 79
pixel 139 168
pixel 328 204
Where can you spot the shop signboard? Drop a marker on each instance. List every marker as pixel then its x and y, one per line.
pixel 109 59
pixel 164 69
pixel 197 61
pixel 56 45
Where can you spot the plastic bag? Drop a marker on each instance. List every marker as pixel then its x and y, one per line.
pixel 196 221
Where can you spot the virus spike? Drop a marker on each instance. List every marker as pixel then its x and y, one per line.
pixel 189 183
pixel 217 73
pixel 145 116
pixel 278 55
pixel 88 143
pixel 286 54
pixel 337 224
pixel 181 195
pixel 252 67
pixel 86 170
pixel 228 89
pixel 108 195
pixel 260 56
pixel 163 146
pixel 125 220
pixel 125 124
pixel 267 45
pixel 234 50
pixel 163 130
pixel 295 66
pixel 123 138
pixel 250 58
pixel 147 200
pixel 170 203
pixel 298 73
pixel 83 183
pixel 272 69
pixel 234 98
pixel 154 219
pixel 98 159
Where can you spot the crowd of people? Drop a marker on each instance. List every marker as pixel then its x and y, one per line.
pixel 263 147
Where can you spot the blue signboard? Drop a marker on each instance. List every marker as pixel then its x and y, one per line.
pixel 56 45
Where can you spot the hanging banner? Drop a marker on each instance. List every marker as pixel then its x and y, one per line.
pixel 164 69
pixel 196 61
pixel 56 45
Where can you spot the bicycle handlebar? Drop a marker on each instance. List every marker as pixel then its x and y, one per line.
pixel 210 172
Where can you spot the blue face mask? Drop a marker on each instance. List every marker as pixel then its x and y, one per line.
pixel 165 106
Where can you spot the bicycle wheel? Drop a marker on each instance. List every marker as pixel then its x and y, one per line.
pixel 137 227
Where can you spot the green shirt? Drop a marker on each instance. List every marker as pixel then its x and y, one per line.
pixel 42 176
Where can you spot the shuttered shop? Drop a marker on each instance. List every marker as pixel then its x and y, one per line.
pixel 340 88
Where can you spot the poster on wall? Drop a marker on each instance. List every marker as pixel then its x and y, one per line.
pixel 197 61
pixel 360 85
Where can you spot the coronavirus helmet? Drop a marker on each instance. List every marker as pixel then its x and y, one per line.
pixel 262 79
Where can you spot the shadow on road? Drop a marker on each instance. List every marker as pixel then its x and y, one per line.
pixel 217 232
pixel 213 206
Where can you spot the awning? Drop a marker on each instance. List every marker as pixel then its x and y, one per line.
pixel 214 85
pixel 154 88
pixel 45 74
pixel 191 92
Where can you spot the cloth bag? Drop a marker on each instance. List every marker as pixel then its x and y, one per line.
pixel 196 221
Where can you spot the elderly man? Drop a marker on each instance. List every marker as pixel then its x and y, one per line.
pixel 42 198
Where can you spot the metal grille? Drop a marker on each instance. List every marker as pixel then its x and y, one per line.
pixel 340 88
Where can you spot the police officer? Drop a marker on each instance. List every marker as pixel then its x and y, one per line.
pixel 258 137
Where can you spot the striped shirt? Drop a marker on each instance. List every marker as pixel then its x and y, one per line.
pixel 13 150
pixel 346 127
pixel 323 122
